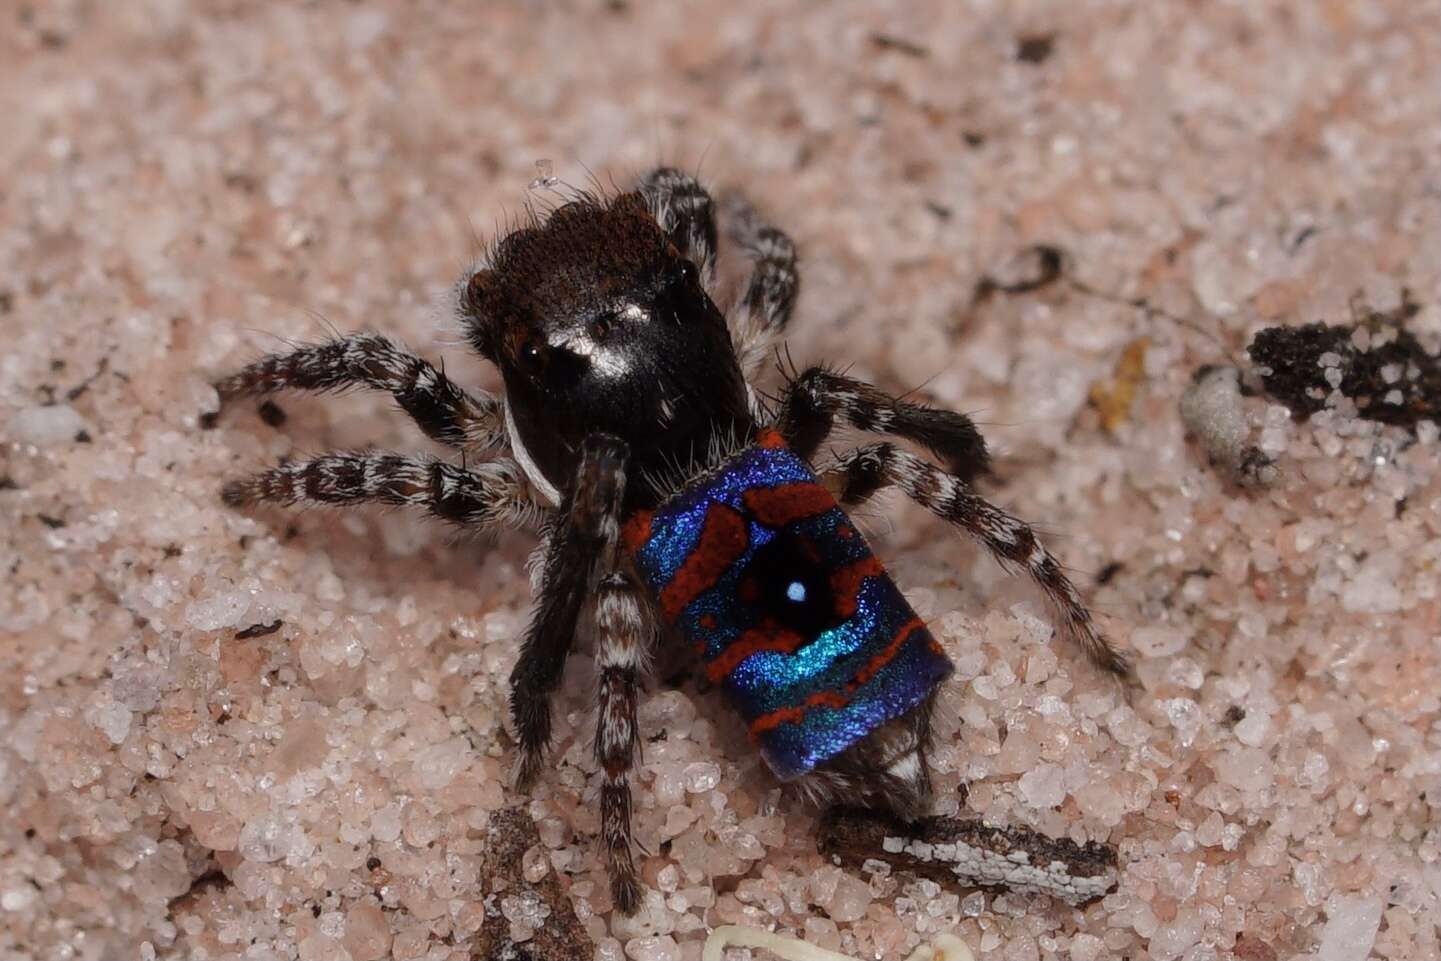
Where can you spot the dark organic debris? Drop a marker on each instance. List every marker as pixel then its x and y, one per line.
pixel 1031 269
pixel 1035 47
pixel 886 41
pixel 1395 382
pixel 1109 572
pixel 271 413
pixel 258 630
pixel 967 852
pixel 562 937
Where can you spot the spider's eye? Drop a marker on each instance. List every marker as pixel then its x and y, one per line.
pixel 689 273
pixel 531 356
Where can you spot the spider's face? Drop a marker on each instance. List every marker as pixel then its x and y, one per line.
pixel 598 324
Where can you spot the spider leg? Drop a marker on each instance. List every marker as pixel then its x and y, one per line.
pixel 490 494
pixel 440 408
pixel 624 634
pixel 860 473
pixel 686 213
pixel 582 546
pixel 770 295
pixel 814 399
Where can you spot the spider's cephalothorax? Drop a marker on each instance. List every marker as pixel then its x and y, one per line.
pixel 671 503
pixel 600 326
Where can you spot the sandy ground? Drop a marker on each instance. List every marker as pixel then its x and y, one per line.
pixel 186 186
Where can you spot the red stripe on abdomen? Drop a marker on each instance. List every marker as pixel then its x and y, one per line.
pixel 876 664
pixel 790 715
pixel 770 439
pixel 637 530
pixel 770 636
pixel 723 539
pixel 836 699
pixel 846 583
pixel 775 507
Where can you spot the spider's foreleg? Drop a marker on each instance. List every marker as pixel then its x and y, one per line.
pixel 624 636
pixel 490 494
pixel 581 549
pixel 440 408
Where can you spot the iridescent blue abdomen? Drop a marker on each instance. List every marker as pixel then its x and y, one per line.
pixel 786 605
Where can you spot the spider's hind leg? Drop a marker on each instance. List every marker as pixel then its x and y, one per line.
pixel 684 210
pixel 687 214
pixel 760 319
pixel 817 397
pixel 860 473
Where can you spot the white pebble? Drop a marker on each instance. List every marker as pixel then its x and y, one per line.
pixel 1157 641
pixel 265 838
pixel 1351 925
pixel 111 718
pixel 1211 409
pixel 385 823
pixel 702 776
pixel 526 908
pixel 1374 588
pixel 17 898
pixel 1247 769
pixel 55 424
pixel 662 948
pixel 217 611
pixel 1252 729
pixel 1185 717
pixel 1043 786
pixel 438 764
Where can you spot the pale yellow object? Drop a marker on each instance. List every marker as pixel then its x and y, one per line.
pixel 944 947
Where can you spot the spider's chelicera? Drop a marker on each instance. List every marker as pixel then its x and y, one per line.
pixel 674 503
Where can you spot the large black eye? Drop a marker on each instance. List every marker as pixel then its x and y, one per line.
pixel 791 585
pixel 531 357
pixel 689 273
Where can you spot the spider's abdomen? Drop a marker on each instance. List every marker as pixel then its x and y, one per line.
pixel 757 565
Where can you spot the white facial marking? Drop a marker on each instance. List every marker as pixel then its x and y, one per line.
pixel 522 457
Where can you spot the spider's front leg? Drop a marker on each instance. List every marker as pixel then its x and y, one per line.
pixel 583 559
pixel 440 408
pixel 582 548
pixel 770 294
pixel 492 494
pixel 625 633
